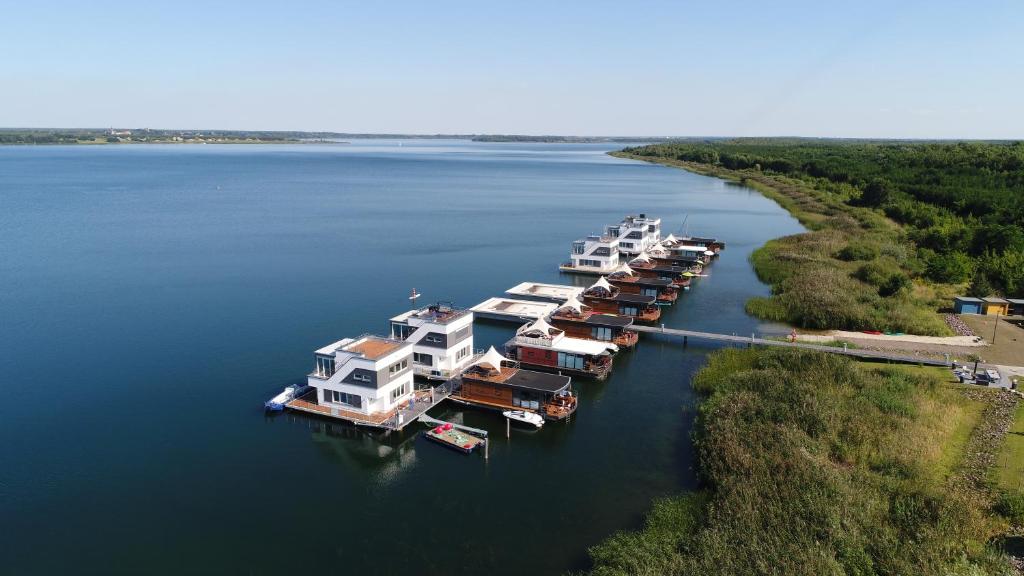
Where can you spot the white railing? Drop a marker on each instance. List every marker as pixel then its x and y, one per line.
pixel 530 341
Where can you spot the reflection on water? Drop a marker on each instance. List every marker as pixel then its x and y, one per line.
pixel 386 454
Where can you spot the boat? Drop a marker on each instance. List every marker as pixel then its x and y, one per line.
pixel 526 417
pixel 595 254
pixel 499 383
pixel 541 346
pixel 580 321
pixel 635 233
pixel 645 266
pixel 442 339
pixel 447 435
pixel 608 299
pixel 277 403
pixel 629 282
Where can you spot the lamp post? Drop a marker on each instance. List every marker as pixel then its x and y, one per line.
pixel 996 325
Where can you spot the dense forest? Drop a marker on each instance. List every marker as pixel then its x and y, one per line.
pixel 961 202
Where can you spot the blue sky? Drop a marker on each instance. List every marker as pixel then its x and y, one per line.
pixel 915 69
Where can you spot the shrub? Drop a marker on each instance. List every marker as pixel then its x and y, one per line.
pixel 858 251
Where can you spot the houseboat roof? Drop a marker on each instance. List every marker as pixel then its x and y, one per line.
pixel 373 347
pixel 640 280
pixel 610 320
pixel 634 298
pixel 510 309
pixel 554 292
pixel 1015 300
pixel 690 248
pixel 440 313
pixel 540 381
pixel 330 349
pixel 522 379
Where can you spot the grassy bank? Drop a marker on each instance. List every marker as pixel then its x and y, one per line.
pixel 857 269
pixel 817 464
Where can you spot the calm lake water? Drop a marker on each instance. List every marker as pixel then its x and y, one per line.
pixel 153 297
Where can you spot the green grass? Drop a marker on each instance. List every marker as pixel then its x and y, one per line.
pixel 814 463
pixel 1009 473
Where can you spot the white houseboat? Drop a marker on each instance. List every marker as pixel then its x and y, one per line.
pixel 593 255
pixel 635 233
pixel 441 337
pixel 365 379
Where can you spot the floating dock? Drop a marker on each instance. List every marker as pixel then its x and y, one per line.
pixel 549 292
pixel 513 310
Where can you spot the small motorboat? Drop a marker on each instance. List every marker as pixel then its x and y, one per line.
pixel 277 403
pixel 525 417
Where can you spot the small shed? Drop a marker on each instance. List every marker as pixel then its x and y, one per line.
pixel 967 305
pixel 995 306
pixel 1016 306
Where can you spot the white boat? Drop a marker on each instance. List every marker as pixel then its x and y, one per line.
pixel 524 417
pixel 278 402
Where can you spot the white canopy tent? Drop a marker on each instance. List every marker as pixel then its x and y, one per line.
pixel 492 359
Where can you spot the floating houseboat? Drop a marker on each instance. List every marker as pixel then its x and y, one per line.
pixel 546 292
pixel 647 267
pixel 593 255
pixel 541 346
pixel 629 282
pixel 364 380
pixel 712 244
pixel 635 233
pixel 441 336
pixel 578 320
pixel 497 383
pixel 607 299
pixel 511 309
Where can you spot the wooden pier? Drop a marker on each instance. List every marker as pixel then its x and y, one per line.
pixel 754 340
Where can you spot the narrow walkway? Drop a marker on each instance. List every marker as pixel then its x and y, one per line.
pixel 751 340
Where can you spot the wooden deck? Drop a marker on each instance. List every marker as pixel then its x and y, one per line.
pixel 753 340
pixel 395 419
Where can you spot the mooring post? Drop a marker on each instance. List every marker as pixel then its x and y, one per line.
pixel 508 428
pixel 487 444
pixel 685 341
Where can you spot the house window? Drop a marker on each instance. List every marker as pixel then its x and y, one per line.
pixel 426 359
pixel 462 353
pixel 601 333
pixel 566 360
pixel 650 292
pixel 399 392
pixel 359 376
pixel 628 310
pixel 353 400
pixel 577 247
pixel 401 331
pixel 398 367
pixel 635 235
pixel 324 366
pixel 626 244
pixel 432 338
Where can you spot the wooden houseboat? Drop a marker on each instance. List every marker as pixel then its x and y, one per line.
pixel 497 383
pixel 607 299
pixel 712 244
pixel 629 282
pixel 578 320
pixel 646 267
pixel 541 346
